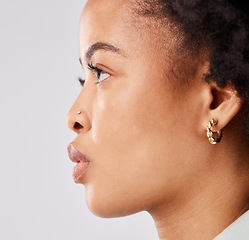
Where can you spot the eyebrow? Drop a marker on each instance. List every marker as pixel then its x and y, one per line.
pixel 101 46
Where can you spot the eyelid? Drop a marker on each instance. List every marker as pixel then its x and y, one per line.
pixel 100 67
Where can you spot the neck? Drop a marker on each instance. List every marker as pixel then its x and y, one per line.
pixel 206 210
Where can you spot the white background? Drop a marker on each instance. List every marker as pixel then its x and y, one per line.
pixel 38 71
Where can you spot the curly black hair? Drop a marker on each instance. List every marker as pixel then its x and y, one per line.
pixel 222 26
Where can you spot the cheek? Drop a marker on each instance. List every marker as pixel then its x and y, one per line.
pixel 130 118
pixel 131 107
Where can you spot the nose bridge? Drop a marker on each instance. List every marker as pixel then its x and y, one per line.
pixel 79 116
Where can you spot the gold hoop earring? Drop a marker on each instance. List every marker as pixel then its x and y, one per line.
pixel 210 133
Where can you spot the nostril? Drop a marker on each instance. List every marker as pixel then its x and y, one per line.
pixel 78 126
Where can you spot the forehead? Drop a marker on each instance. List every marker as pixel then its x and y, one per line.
pixel 115 22
pixel 103 21
pixel 112 5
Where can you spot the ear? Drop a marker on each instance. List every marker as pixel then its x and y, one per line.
pixel 223 104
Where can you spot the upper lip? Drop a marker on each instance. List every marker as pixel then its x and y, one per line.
pixel 75 155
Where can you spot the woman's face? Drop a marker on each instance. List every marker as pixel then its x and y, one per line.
pixel 137 130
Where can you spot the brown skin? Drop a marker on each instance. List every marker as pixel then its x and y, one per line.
pixel 146 142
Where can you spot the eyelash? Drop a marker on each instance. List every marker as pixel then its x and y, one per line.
pixel 96 70
pixel 82 81
pixel 92 68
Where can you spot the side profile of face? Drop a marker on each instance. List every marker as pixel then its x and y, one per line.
pixel 135 123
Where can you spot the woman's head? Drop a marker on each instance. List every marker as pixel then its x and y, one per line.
pixel 145 107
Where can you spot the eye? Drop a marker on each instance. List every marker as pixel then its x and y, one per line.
pixel 100 74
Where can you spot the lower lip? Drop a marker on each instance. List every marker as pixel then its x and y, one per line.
pixel 79 171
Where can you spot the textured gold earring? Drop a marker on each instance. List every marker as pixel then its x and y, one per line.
pixel 210 133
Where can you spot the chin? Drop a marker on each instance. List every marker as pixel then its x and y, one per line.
pixel 107 205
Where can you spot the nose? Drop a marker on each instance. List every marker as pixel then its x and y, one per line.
pixel 78 120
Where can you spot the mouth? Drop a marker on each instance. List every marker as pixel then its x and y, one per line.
pixel 80 170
